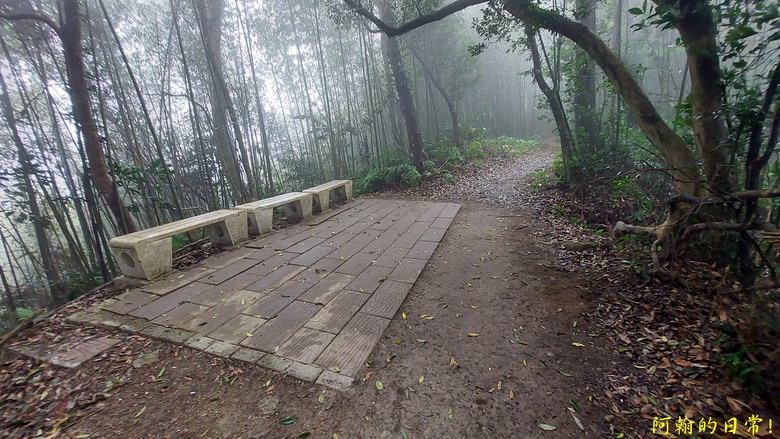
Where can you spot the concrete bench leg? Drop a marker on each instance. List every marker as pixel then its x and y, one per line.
pixel 321 201
pixel 229 232
pixel 260 221
pixel 147 260
pixel 344 193
pixel 299 208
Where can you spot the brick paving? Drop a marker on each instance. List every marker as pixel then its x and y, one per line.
pixel 311 300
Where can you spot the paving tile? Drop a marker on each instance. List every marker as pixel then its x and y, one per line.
pixel 237 328
pixel 356 264
pixel 227 257
pixel 212 318
pixel 222 349
pixel 212 296
pixel 247 355
pixel 172 335
pixel 305 345
pixel 433 234
pixel 310 275
pixel 83 351
pixel 422 250
pixel 391 257
pixel 338 239
pixel 325 290
pixel 450 210
pixel 370 279
pixel 338 312
pixel 269 306
pixel 171 300
pixel 244 298
pixel 387 299
pixel 130 301
pixel 274 362
pixel 312 256
pixel 366 236
pixel 378 246
pixel 199 342
pixel 327 264
pixel 305 372
pixel 432 212
pixel 275 332
pixel 176 279
pixel 410 237
pixel 408 270
pixel 229 271
pixel 278 260
pixel 335 380
pixel 441 223
pixel 262 254
pixel 347 250
pixel 306 245
pixel 238 282
pixel 180 315
pixel 275 278
pixel 350 349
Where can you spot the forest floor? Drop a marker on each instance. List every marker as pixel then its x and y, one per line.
pixel 571 343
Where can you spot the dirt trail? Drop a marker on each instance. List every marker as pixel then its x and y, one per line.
pixel 507 349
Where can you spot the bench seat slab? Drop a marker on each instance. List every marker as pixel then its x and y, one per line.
pixel 342 190
pixel 260 213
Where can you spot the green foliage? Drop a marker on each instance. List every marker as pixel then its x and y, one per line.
pixel 24 313
pixel 378 177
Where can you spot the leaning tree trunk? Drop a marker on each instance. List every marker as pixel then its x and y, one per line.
pixel 586 122
pixel 409 111
pixel 70 34
pixel 448 99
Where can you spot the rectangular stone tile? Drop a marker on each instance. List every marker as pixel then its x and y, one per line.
pixel 275 278
pixel 391 257
pixel 285 243
pixel 305 345
pixel 304 372
pixel 327 264
pixel 338 312
pixel 387 299
pixel 378 246
pixel 432 212
pixel 411 235
pixel 312 256
pixel 244 298
pixel 130 301
pixel 350 349
pixel 347 250
pixel 356 264
pixel 222 349
pixel 272 263
pixel 337 381
pixel 338 239
pixel 269 306
pixel 227 257
pixel 450 210
pixel 212 318
pixel 408 270
pixel 247 355
pixel 262 254
pixel 83 351
pixel 171 300
pixel 370 279
pixel 211 297
pixel 229 271
pixel 173 335
pixel 237 328
pixel 433 235
pixel 366 236
pixel 274 333
pixel 310 275
pixel 238 282
pixel 176 279
pixel 325 290
pixel 306 244
pixel 422 250
pixel 441 223
pixel 180 315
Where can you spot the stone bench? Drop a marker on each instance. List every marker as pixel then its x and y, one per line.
pixel 260 213
pixel 342 190
pixel 148 253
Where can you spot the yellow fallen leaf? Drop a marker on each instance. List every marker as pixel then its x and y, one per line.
pixel 473 307
pixel 453 362
pixel 422 316
pixel 473 334
pixel 498 386
pixel 578 344
pixel 337 369
pixel 511 394
pixel 403 315
pixel 524 362
pixel 249 334
pixel 421 379
pixel 491 390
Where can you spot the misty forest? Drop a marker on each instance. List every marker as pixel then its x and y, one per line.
pixel 660 120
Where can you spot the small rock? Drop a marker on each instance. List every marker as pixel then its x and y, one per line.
pixel 145 358
pixel 268 404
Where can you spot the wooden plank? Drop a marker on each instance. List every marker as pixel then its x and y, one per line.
pixel 312 256
pixel 275 332
pixel 228 257
pixel 433 234
pixel 171 300
pixel 350 349
pixel 338 312
pixel 441 223
pixel 212 318
pixel 305 345
pixel 237 329
pixel 356 264
pixel 432 212
pixel 274 302
pixel 450 211
pixel 180 315
pixel 387 299
pixel 322 292
pixel 408 270
pixel 422 250
pixel 275 278
pixel 347 250
pixel 176 279
pixel 370 279
pixel 167 230
pixel 306 245
pixel 271 264
pixel 239 282
pixel 130 301
pixel 391 257
pixel 230 271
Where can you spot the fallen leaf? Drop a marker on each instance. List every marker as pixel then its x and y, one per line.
pixel 140 412
pixel 547 427
pixel 249 334
pixel 511 394
pixel 473 334
pixel 404 433
pixel 288 421
pixel 321 398
pixel 577 421
pixel 422 340
pixel 390 357
pixel 398 341
pixel 421 379
pixel 682 362
pixel 304 434
pixel 453 362
pixel 579 345
pixel 498 386
pixel 379 385
pixel 403 315
pixel 450 414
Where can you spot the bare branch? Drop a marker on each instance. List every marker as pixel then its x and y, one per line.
pixel 392 31
pixel 39 18
pixel 729 198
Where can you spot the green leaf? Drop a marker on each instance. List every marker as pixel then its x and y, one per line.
pixel 379 385
pixel 450 414
pixel 321 398
pixel 304 434
pixel 404 433
pixel 636 11
pixel 547 427
pixel 289 421
pixel 140 412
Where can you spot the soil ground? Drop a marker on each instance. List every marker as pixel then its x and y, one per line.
pixel 515 349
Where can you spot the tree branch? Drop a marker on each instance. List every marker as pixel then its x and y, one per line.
pixel 39 18
pixel 422 20
pixel 730 198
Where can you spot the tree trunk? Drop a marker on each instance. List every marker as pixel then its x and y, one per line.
pixel 586 122
pixel 451 105
pixel 409 111
pixel 70 35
